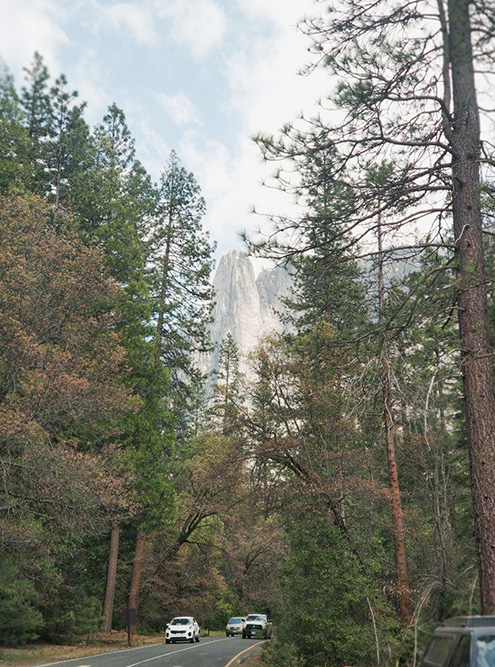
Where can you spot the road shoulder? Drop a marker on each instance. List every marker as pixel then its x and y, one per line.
pixel 39 654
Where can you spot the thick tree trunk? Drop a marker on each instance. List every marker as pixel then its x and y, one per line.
pixel 137 572
pixel 393 473
pixel 111 578
pixel 477 366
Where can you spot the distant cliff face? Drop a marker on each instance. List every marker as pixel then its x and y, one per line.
pixel 246 307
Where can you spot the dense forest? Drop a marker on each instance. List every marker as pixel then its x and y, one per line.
pixel 345 487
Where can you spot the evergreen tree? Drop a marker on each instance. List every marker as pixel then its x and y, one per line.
pixel 59 151
pixel 328 282
pixel 16 170
pixel 68 153
pixel 329 601
pixel 115 200
pixel 227 398
pixel 181 259
pixel 431 435
pixel 64 398
pixel 38 119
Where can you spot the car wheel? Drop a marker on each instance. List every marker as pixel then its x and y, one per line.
pixel 167 641
pixel 243 635
pixel 197 639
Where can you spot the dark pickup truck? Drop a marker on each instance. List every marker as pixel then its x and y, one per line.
pixel 462 641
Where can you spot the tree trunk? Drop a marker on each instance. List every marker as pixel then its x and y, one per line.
pixel 111 578
pixel 477 362
pixel 393 473
pixel 163 291
pixel 395 499
pixel 137 572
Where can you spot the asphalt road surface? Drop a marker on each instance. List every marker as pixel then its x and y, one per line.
pixel 210 652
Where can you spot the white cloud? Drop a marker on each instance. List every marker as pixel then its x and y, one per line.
pixel 263 76
pixel 38 25
pixel 275 10
pixel 230 183
pixel 198 24
pixel 179 107
pixel 155 149
pixel 88 73
pixel 265 92
pixel 134 19
pixel 217 172
pixel 28 26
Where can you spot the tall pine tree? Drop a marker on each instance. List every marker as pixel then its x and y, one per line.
pixel 181 260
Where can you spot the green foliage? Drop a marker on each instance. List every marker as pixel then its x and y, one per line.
pixel 366 205
pixel 277 654
pixel 180 257
pixel 227 396
pixel 16 170
pixel 325 618
pixel 71 615
pixel 20 620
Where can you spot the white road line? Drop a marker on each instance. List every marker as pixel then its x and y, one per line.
pixel 97 655
pixel 181 650
pixel 125 650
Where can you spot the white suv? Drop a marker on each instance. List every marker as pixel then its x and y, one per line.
pixel 182 628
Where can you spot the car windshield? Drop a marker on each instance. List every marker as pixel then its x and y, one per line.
pixel 181 621
pixel 255 617
pixel 236 620
pixel 485 651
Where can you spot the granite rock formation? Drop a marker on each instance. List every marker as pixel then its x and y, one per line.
pixel 245 306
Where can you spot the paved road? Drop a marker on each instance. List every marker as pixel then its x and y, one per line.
pixel 210 652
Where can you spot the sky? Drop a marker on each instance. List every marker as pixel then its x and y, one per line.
pixel 197 76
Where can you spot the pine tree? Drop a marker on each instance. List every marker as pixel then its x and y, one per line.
pixel 181 258
pixel 60 152
pixel 68 153
pixel 16 170
pixel 227 397
pixel 38 113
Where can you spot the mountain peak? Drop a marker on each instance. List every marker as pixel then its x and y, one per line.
pixel 245 306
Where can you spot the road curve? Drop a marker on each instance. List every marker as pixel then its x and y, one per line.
pixel 210 652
